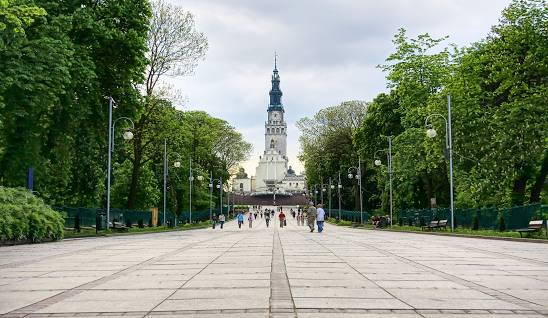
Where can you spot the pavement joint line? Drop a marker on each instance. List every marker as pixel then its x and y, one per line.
pixel 40 259
pixel 196 274
pixel 357 271
pixel 523 259
pixel 24 311
pixel 281 300
pixel 475 286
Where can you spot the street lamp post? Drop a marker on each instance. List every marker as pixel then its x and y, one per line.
pixel 339 187
pixel 322 191
pixel 390 174
pixel 431 133
pixel 128 135
pixel 220 187
pixel 190 180
pixel 210 192
pixel 331 187
pixel 176 164
pixel 358 176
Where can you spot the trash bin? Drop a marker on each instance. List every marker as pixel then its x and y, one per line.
pixel 99 221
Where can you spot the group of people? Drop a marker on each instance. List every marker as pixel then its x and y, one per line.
pixel 267 215
pixel 380 222
pixel 314 216
pixel 218 219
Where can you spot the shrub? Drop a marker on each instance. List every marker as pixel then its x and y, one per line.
pixel 501 224
pixel 475 222
pixel 400 221
pixel 140 223
pixel 129 223
pixel 23 216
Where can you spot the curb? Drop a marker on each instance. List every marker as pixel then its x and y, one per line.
pixel 499 238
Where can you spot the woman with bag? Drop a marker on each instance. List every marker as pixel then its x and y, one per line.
pixel 251 218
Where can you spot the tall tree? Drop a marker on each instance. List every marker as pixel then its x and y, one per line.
pixel 326 140
pixel 174 48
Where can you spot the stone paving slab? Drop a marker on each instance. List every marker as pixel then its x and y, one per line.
pixel 275 272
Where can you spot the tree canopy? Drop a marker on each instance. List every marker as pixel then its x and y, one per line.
pixel 500 128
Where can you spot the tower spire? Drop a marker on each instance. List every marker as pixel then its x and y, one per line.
pixel 275 92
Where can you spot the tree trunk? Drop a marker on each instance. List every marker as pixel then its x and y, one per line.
pixel 518 191
pixel 541 179
pixel 135 174
pixel 427 184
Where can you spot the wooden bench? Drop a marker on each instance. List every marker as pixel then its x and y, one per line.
pixel 534 226
pixel 119 226
pixel 435 225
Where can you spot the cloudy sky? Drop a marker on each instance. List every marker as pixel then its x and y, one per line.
pixel 328 51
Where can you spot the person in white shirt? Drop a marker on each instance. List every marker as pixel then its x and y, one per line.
pixel 320 217
pixel 222 220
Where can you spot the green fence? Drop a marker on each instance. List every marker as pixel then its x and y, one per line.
pixel 488 218
pixel 347 215
pixel 90 217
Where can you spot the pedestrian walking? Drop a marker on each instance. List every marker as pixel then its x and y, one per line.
pixel 320 217
pixel 311 216
pixel 267 218
pixel 221 220
pixel 240 218
pixel 281 216
pixel 213 220
pixel 250 219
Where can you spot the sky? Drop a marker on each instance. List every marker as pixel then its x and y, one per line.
pixel 327 50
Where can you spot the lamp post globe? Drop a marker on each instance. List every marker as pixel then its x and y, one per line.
pixel 128 135
pixel 378 162
pixel 350 176
pixel 177 164
pixel 431 133
pixel 332 186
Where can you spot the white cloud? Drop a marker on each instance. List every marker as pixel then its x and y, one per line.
pixel 328 52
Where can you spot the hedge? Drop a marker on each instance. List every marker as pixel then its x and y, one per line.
pixel 24 217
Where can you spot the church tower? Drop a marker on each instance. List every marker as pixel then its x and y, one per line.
pixel 272 175
pixel 275 126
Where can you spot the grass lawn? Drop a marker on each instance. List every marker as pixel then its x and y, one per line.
pixel 458 231
pixel 135 230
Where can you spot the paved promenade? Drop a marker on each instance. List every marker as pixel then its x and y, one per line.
pixel 273 272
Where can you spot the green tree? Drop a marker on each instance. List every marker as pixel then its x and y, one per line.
pixel 327 146
pixel 174 48
pixel 499 89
